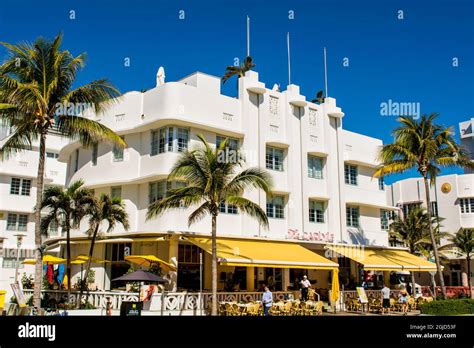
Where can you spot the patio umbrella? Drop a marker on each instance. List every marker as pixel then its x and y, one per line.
pixel 47 259
pixel 140 276
pixel 335 287
pixel 148 260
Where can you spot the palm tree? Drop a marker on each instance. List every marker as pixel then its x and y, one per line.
pixel 413 231
pixel 210 181
pixel 36 81
pixel 463 242
pixel 66 207
pixel 110 210
pixel 425 146
pixel 238 71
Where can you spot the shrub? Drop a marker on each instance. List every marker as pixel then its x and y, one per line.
pixel 448 307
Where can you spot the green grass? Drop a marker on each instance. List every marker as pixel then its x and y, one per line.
pixel 448 307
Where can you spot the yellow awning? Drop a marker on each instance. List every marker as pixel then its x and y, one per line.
pixel 257 253
pixel 148 260
pixel 47 259
pixel 384 259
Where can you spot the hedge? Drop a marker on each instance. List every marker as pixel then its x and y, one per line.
pixel 448 307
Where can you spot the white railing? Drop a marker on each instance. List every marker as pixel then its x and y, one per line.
pixel 173 303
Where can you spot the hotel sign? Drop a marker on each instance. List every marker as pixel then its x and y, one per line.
pixel 310 236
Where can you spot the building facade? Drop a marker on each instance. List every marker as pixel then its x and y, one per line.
pixel 17 200
pixel 323 186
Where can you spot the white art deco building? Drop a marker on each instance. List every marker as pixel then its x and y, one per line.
pixel 323 185
pixel 17 200
pixel 452 200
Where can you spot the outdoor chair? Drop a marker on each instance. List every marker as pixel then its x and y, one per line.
pixel 411 304
pixel 286 308
pixel 275 309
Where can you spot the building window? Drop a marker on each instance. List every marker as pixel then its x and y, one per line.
pixel 227 208
pixel 116 192
pixel 232 143
pixel 157 190
pixel 53 228
pixel 10 262
pixel 407 208
pixel 173 139
pixel 275 207
pixel 434 209
pixel 274 159
pixel 350 174
pixel 467 205
pixel 273 105
pixel 381 183
pixel 52 155
pixel 118 153
pixel 315 167
pixel 17 222
pixel 155 140
pixel 352 216
pixel 384 219
pixel 95 151
pixel 316 211
pixel 76 161
pixel 20 187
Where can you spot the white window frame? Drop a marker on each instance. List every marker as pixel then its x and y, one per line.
pixel 226 208
pixel 384 220
pixel 272 163
pixel 17 222
pixel 317 215
pixel 313 171
pixel 351 173
pixel 275 207
pixel 352 216
pixel 20 187
pixel 467 205
pixel 170 139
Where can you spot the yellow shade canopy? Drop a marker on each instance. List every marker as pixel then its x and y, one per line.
pixel 335 285
pixel 258 253
pixel 81 259
pixel 384 259
pixel 148 260
pixel 47 259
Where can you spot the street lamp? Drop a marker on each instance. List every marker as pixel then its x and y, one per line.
pixel 19 241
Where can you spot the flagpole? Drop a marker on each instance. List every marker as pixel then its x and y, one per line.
pixel 325 73
pixel 289 62
pixel 248 36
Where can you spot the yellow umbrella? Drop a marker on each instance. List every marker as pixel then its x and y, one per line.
pixel 47 259
pixel 81 259
pixel 148 260
pixel 335 287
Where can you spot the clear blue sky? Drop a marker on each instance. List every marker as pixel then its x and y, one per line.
pixel 407 60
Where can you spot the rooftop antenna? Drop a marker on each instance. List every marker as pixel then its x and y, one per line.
pixel 325 74
pixel 289 62
pixel 248 36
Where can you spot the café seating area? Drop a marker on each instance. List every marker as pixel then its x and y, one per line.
pixel 280 308
pixel 374 305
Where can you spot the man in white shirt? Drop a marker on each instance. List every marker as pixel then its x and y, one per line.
pixel 305 285
pixel 385 299
pixel 267 300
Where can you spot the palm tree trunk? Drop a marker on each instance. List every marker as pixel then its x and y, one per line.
pixel 88 267
pixel 413 283
pixel 433 239
pixel 39 196
pixel 468 259
pixel 68 260
pixel 214 266
pixel 433 283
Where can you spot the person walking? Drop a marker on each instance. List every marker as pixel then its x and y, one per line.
pixel 305 285
pixel 403 300
pixel 267 300
pixel 385 299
